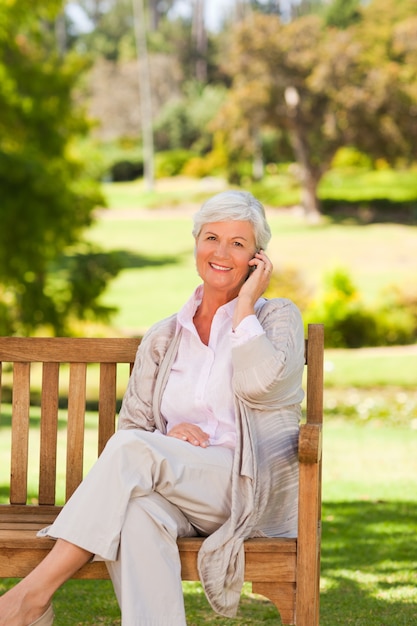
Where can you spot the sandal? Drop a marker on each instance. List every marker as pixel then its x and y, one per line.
pixel 47 619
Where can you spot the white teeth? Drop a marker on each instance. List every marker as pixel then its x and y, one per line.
pixel 219 267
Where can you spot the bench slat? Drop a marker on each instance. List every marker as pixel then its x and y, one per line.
pixel 68 349
pixel 20 433
pixel 107 404
pixel 75 432
pixel 49 432
pixel 265 559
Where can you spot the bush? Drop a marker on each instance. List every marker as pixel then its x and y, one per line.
pixel 124 171
pixel 171 162
pixel 349 157
pixel 121 160
pixel 397 317
pixel 349 323
pixel 174 127
pixel 289 283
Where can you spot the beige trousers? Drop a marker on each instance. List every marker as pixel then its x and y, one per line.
pixel 145 490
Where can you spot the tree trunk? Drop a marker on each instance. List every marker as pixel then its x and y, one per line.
pixel 145 93
pixel 309 177
pixel 257 161
pixel 199 34
pixel 154 15
pixel 61 34
pixel 309 199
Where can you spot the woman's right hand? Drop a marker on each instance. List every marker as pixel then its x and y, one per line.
pixel 253 287
pixel 191 433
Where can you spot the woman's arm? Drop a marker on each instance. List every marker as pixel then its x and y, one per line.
pixel 268 369
pixel 138 401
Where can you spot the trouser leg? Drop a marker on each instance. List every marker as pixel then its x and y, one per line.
pixel 147 573
pixel 137 463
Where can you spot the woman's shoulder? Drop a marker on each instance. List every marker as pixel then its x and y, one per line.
pixel 280 313
pixel 164 329
pixel 275 306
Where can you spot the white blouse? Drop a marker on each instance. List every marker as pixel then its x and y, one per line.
pixel 199 387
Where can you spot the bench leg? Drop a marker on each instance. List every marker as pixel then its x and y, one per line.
pixel 282 595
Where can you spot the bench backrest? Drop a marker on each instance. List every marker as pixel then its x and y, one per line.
pixel 53 355
pixel 18 357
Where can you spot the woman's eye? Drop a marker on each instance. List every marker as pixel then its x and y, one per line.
pixel 237 244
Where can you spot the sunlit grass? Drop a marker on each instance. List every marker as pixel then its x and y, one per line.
pixel 371 367
pixel 169 192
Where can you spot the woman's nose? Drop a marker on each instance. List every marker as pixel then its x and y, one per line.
pixel 222 250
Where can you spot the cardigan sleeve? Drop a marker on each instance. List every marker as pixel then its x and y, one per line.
pixel 137 410
pixel 267 370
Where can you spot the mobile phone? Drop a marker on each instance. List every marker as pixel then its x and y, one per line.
pixel 252 268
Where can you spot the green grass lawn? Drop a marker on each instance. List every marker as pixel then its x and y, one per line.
pixel 365 367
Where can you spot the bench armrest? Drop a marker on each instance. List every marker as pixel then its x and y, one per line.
pixel 310 443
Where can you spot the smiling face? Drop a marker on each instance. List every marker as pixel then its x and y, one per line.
pixel 223 251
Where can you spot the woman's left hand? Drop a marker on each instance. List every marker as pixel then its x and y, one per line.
pixel 191 433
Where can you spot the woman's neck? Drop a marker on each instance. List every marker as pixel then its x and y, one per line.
pixel 204 315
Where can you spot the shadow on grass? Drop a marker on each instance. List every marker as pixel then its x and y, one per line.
pixel 369 563
pixel 130 260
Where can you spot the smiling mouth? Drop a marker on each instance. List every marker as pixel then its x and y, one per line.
pixel 220 267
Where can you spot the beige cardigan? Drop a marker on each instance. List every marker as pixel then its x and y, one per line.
pixel 267 375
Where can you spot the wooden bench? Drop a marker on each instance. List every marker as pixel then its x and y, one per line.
pixel 287 571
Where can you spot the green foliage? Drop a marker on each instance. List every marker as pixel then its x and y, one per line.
pixel 348 157
pixel 325 88
pixel 356 184
pixel 76 282
pixel 119 160
pixel 347 321
pixel 290 283
pixel 171 162
pixel 174 128
pixel 342 13
pixel 279 188
pixel 185 123
pixel 350 323
pixel 47 200
pixel 113 35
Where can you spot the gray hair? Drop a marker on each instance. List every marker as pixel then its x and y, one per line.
pixel 235 206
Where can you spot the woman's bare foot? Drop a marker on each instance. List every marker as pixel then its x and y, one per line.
pixel 28 600
pixel 19 606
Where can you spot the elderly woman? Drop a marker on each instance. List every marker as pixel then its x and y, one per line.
pixel 206 445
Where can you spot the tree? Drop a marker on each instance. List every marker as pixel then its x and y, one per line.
pixel 326 87
pixel 271 64
pixel 112 35
pixel 47 199
pixel 369 73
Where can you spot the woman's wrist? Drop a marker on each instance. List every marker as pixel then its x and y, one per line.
pixel 244 307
